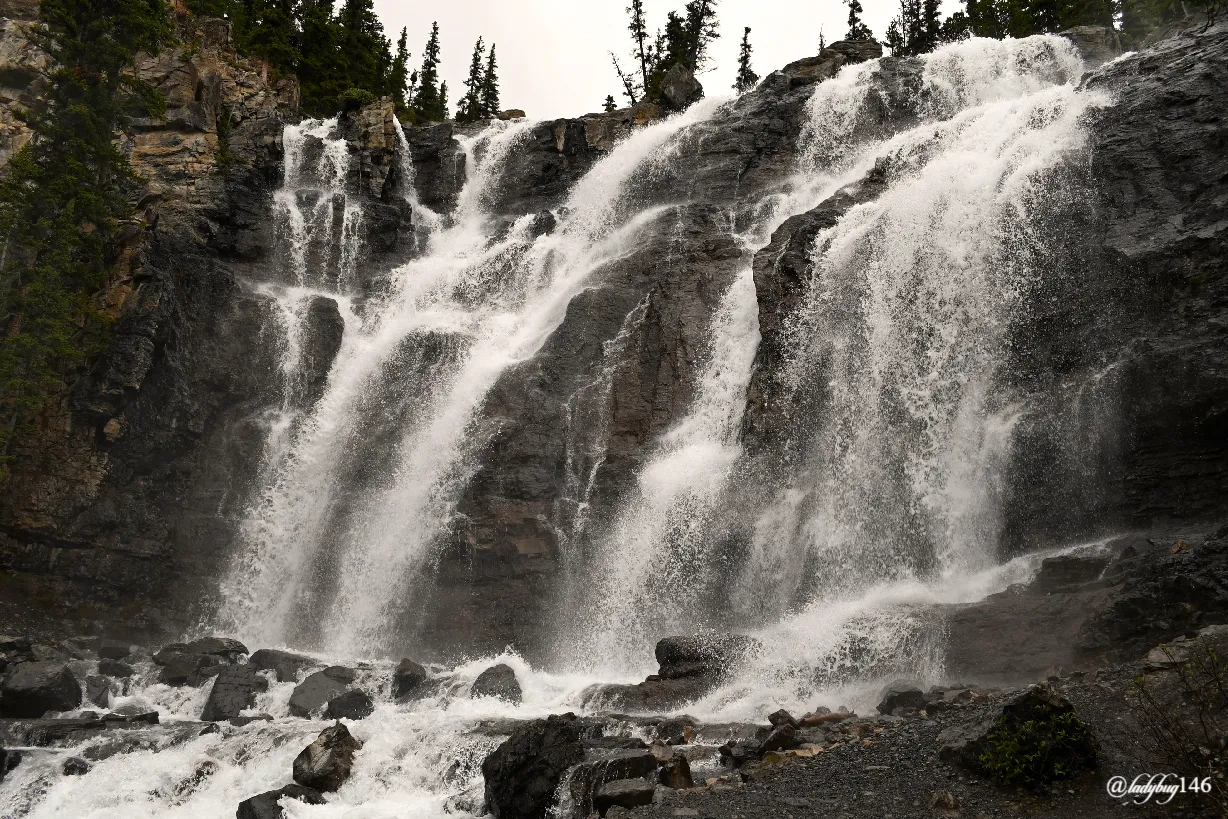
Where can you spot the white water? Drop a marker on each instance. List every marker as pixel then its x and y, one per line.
pixel 894 511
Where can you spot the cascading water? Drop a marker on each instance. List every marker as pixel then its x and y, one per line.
pixel 893 504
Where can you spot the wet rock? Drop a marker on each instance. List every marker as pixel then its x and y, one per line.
pixel 35 688
pixel 75 766
pixel 740 752
pixel 783 717
pixel 524 772
pixel 113 649
pixel 1065 571
pixel 265 806
pixel 195 662
pixel 782 738
pixel 8 761
pixel 98 690
pixel 677 730
pixel 680 89
pixel 703 654
pixel 314 693
pixel 353 704
pixel 1031 740
pixel 900 695
pixel 497 681
pixel 234 690
pixel 675 769
pixel 623 793
pixel 1096 44
pixel 114 668
pixel 407 680
pixel 224 648
pixel 325 764
pixel 285 665
pixel 322 336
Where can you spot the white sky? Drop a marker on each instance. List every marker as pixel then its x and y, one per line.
pixel 553 54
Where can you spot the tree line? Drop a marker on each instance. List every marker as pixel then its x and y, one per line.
pixel 343 59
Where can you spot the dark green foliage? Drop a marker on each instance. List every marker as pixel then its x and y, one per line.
pixel 1038 739
pixel 609 104
pixel 470 109
pixel 400 71
pixel 490 86
pixel 857 29
pixel 684 41
pixel 63 195
pixel 430 102
pixel 269 32
pixel 747 78
pixel 355 98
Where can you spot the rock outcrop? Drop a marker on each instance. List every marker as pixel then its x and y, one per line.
pixel 325 764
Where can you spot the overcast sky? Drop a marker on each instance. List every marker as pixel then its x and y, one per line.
pixel 553 54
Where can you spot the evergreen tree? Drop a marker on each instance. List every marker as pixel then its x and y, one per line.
pixel 857 29
pixel 470 109
pixel 609 104
pixel 702 27
pixel 64 192
pixel 490 86
pixel 365 51
pixel 321 78
pixel 747 78
pixel 269 33
pixel 628 82
pixel 642 50
pixel 442 112
pixel 400 71
pixel 430 104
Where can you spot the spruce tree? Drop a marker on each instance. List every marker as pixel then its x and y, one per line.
pixel 931 24
pixel 638 27
pixel 441 111
pixel 490 87
pixel 365 51
pixel 321 78
pixel 269 33
pixel 400 71
pixel 64 192
pixel 702 27
pixel 857 29
pixel 747 78
pixel 470 109
pixel 609 104
pixel 429 104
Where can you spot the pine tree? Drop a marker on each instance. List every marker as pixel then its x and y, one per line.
pixel 490 87
pixel 269 33
pixel 441 113
pixel 470 109
pixel 400 71
pixel 429 104
pixel 63 193
pixel 609 104
pixel 320 80
pixel 365 51
pixel 642 50
pixel 931 24
pixel 747 78
pixel 857 29
pixel 628 82
pixel 702 27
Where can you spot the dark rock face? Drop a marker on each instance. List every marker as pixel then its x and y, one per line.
pixel 624 793
pixel 285 665
pixel 36 688
pixel 497 681
pixel 407 680
pixel 325 764
pixel 193 663
pixel 699 654
pixel 319 688
pixel 113 649
pixel 265 805
pixel 8 761
pixel 322 341
pixel 234 689
pixel 524 772
pixel 901 696
pixel 353 704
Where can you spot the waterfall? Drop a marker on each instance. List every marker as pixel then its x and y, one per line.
pixel 902 325
pixel 327 565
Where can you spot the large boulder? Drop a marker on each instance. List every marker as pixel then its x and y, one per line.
pixel 623 793
pixel 703 654
pixel 314 693
pixel 680 89
pixel 8 761
pixel 1033 739
pixel 353 704
pixel 195 662
pixel 234 690
pixel 497 681
pixel 325 764
pixel 33 689
pixel 524 772
pixel 285 665
pixel 267 805
pixel 407 680
pixel 900 695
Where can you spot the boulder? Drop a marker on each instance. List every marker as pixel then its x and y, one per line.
pixel 234 689
pixel 407 680
pixel 623 793
pixel 497 681
pixel 98 690
pixel 783 738
pixel 703 654
pixel 322 334
pixel 113 649
pixel 285 665
pixel 8 761
pixel 680 89
pixel 353 704
pixel 675 769
pixel 266 805
pixel 524 772
pixel 1031 740
pixel 114 668
pixel 900 695
pixel 315 692
pixel 782 717
pixel 1096 44
pixel 325 764
pixel 195 662
pixel 33 689
pixel 75 766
